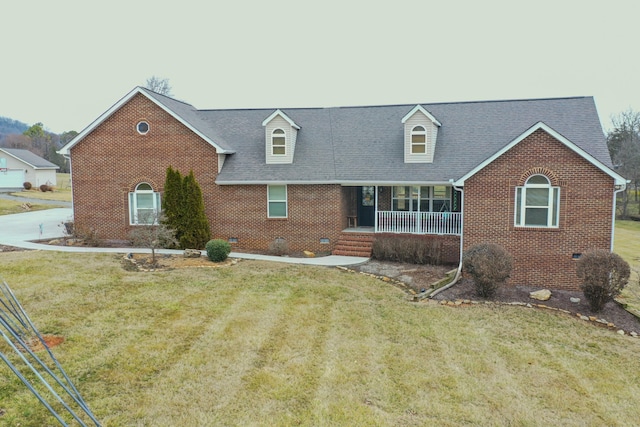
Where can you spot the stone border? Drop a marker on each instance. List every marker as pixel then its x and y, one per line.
pixel 417 297
pixel 137 267
pixel 397 283
pixel 593 319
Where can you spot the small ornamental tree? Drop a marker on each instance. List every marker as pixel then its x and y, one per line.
pixel 153 235
pixel 489 265
pixel 603 274
pixel 194 225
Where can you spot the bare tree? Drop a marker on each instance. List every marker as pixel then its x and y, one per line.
pixel 159 85
pixel 624 147
pixel 154 234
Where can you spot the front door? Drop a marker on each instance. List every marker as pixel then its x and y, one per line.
pixel 366 206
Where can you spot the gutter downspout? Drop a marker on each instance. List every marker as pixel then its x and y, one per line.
pixel 459 271
pixel 613 214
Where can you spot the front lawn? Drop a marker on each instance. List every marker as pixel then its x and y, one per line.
pixel 8 207
pixel 626 244
pixel 61 192
pixel 276 344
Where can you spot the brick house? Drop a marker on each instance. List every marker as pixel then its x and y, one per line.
pixel 532 175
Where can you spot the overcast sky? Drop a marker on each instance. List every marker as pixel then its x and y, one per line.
pixel 65 62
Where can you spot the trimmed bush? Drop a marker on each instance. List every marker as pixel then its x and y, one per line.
pixel 603 274
pixel 44 188
pixel 412 250
pixel 279 247
pixel 27 185
pixel 489 265
pixel 217 250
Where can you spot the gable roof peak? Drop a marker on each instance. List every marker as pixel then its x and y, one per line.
pixel 279 112
pixel 423 111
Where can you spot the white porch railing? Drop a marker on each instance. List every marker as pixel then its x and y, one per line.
pixel 419 222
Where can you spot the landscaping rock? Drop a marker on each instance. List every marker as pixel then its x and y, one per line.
pixel 309 254
pixel 541 295
pixel 574 300
pixel 192 253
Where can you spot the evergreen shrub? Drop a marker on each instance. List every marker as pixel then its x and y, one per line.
pixel 217 250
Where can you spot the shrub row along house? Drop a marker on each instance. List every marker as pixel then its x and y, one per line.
pixel 533 175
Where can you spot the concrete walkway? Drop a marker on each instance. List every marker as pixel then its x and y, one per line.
pixel 20 230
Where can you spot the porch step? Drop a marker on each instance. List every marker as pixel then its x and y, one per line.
pixel 354 244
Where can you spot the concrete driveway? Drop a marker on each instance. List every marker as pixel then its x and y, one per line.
pixel 17 229
pixel 20 230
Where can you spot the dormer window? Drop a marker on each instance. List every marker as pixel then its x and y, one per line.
pixel 278 142
pixel 280 136
pixel 420 135
pixel 418 140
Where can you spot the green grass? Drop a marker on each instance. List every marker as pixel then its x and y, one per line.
pixel 8 207
pixel 627 245
pixel 277 344
pixel 62 192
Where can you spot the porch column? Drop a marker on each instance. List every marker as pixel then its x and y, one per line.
pixel 375 198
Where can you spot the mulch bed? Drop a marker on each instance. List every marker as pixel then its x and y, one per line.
pixel 613 312
pixel 418 277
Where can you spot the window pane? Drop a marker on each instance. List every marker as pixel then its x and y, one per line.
pixel 145 200
pixel 277 192
pixel 418 149
pixel 418 138
pixel 278 141
pixel 536 216
pixel 277 209
pixel 278 132
pixel 401 205
pixel 537 197
pixel 538 179
pixel 279 150
pixel 441 192
pixel 441 206
pixel 146 216
pixel 144 187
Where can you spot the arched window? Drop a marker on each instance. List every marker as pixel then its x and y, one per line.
pixel 278 139
pixel 537 203
pixel 418 140
pixel 144 205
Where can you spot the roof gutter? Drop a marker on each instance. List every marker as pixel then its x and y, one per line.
pixel 619 188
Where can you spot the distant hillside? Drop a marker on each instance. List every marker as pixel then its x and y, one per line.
pixel 9 126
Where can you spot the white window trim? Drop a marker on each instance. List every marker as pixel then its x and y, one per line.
pixel 553 204
pixel 283 135
pixel 285 201
pixel 133 204
pixel 138 127
pixel 418 132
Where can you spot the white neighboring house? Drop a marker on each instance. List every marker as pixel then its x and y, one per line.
pixel 19 166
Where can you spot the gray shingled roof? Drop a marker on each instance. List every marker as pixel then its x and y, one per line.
pixel 365 144
pixel 28 157
pixel 191 115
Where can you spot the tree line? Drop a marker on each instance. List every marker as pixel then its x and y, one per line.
pixel 623 142
pixel 41 142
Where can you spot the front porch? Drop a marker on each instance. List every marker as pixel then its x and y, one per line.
pixel 403 209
